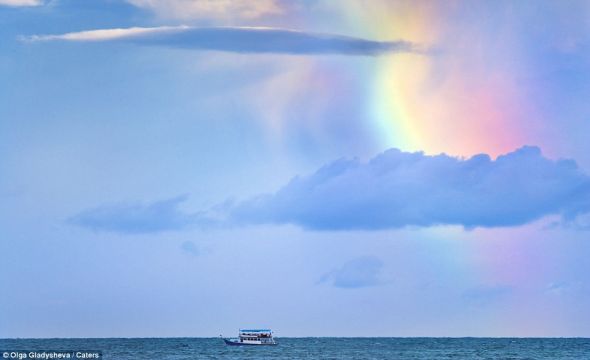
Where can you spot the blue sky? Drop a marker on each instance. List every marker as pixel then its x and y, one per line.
pixel 188 168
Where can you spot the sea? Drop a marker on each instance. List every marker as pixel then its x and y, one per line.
pixel 302 348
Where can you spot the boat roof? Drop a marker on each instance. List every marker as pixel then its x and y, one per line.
pixel 255 330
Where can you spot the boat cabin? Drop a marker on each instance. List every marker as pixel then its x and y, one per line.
pixel 256 335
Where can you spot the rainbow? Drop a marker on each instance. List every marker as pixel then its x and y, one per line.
pixel 447 101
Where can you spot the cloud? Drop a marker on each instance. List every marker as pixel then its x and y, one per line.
pixel 21 3
pixel 581 222
pixel 108 34
pixel 237 39
pixel 397 189
pixel 190 248
pixel 360 272
pixel 557 288
pixel 393 190
pixel 210 9
pixel 136 218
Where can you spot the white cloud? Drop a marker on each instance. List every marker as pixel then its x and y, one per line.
pixel 19 3
pixel 210 9
pixel 107 34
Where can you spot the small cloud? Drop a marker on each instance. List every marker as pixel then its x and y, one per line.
pixel 558 288
pixel 190 248
pixel 580 222
pixel 21 3
pixel 360 272
pixel 136 218
pixel 237 39
pixel 487 294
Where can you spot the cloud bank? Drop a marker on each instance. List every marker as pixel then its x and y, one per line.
pixel 393 190
pixel 237 39
pixel 360 272
pixel 397 189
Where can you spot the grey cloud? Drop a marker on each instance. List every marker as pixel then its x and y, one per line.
pixel 393 190
pixel 397 189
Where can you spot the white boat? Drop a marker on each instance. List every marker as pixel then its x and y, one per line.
pixel 252 337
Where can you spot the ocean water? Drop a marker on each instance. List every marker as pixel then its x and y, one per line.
pixel 318 348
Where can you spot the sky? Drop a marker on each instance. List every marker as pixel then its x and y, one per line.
pixel 321 168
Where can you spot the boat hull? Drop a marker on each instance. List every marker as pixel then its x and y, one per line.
pixel 237 343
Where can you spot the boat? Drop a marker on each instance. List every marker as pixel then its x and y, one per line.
pixel 252 337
